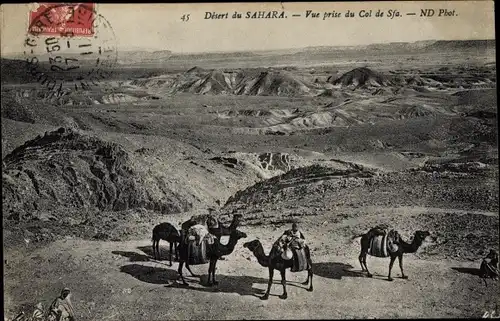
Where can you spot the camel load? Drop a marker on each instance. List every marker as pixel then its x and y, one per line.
pixel 292 239
pixel 198 238
pixel 384 243
pixel 293 250
pixel 291 246
pixel 197 253
pixel 299 260
pixel 288 245
pixel 199 233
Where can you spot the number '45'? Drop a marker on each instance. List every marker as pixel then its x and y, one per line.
pixel 185 17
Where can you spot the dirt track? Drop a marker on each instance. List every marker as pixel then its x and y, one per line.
pixel 119 281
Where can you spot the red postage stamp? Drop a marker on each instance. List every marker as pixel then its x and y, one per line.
pixel 72 19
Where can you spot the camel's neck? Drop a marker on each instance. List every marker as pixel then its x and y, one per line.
pixel 413 246
pixel 261 256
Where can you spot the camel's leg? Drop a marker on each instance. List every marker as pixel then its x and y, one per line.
pixel 310 276
pixel 176 252
pixel 306 282
pixel 213 273
pixel 368 274
pixel 179 270
pixel 360 258
pixel 189 269
pixel 157 253
pixel 283 282
pixel 362 253
pixel 187 264
pixel 309 270
pixel 154 249
pixel 269 283
pixel 210 266
pixel 170 252
pixel 393 258
pixel 365 245
pixel 400 259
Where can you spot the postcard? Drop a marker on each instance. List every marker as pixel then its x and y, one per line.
pixel 274 160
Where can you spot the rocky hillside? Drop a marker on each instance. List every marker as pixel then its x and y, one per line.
pixel 72 183
pixel 448 185
pixel 65 168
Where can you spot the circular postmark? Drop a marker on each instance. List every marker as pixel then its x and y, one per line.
pixel 69 47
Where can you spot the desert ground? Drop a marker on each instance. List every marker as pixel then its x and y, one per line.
pixel 339 140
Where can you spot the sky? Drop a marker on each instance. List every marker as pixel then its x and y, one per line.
pixel 159 26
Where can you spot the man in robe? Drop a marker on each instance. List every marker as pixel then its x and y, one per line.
pixel 62 308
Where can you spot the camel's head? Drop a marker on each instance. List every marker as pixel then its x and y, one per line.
pixel 252 245
pixel 238 234
pixel 421 235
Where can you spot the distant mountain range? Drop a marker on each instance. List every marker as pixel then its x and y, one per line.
pixel 463 44
pixel 133 56
pixel 426 45
pixel 147 56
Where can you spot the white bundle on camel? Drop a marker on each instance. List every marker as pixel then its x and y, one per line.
pixel 198 233
pixel 288 242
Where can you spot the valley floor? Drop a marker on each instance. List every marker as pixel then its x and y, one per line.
pixel 120 281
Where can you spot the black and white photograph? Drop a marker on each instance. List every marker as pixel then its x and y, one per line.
pixel 236 161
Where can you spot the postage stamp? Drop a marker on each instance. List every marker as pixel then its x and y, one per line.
pixel 62 19
pixel 69 47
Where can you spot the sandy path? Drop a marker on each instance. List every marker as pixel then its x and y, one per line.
pixel 118 281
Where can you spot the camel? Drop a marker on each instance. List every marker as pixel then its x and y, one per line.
pixel 214 252
pixel 402 248
pixel 274 261
pixel 167 232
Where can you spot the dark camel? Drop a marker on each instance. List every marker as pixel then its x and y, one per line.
pixel 402 248
pixel 214 252
pixel 167 232
pixel 274 261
